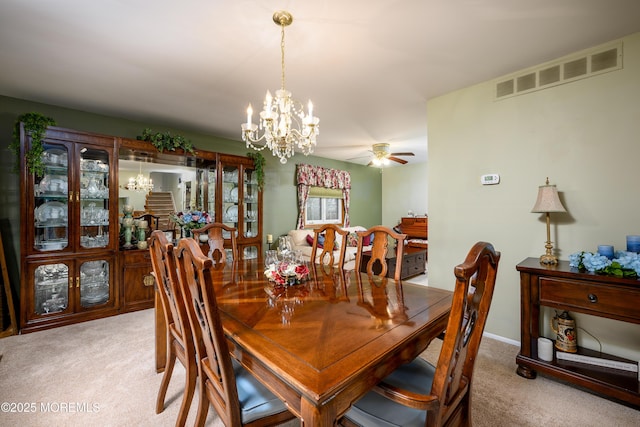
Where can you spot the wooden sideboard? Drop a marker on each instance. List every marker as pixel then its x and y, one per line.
pixel 416 229
pixel 564 288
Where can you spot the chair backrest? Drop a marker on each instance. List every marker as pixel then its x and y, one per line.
pixel 216 232
pixel 164 268
pixel 475 282
pixel 379 248
pixel 331 233
pixel 197 274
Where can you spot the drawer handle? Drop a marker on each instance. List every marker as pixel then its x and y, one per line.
pixel 148 280
pixel 592 298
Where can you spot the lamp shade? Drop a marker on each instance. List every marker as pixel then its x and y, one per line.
pixel 548 200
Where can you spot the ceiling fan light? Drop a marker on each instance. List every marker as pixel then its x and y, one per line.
pixel 381 149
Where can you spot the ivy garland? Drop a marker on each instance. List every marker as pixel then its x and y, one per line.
pixel 258 162
pixel 166 141
pixel 35 125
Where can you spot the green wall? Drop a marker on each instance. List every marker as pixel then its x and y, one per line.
pixel 280 194
pixel 583 135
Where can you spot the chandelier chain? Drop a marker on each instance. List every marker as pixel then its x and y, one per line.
pixel 282 52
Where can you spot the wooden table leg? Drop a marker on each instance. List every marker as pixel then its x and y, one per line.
pixel 313 417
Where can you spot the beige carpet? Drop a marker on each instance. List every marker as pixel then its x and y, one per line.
pixel 101 373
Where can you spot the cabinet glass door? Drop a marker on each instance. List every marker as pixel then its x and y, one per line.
pixel 211 193
pixel 250 204
pixel 94 198
pixel 51 285
pixel 230 196
pixel 51 200
pixel 94 283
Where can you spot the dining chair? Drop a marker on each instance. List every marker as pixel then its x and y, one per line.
pixel 236 395
pixel 420 394
pixel 179 338
pixel 331 244
pixel 216 232
pixel 379 248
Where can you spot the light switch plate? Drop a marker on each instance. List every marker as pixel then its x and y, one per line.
pixel 490 179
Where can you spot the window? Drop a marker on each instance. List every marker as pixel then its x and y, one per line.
pixel 324 206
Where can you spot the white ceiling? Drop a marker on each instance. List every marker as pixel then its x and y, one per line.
pixel 369 66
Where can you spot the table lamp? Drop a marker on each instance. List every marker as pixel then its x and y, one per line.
pixel 548 201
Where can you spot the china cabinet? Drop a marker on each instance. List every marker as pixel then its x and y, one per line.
pixel 68 238
pixel 224 186
pixel 240 203
pixel 74 265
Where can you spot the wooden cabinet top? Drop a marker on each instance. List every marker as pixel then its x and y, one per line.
pixel 562 269
pixel 414 227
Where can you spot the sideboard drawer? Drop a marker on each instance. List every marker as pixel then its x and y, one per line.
pixel 413 264
pixel 589 297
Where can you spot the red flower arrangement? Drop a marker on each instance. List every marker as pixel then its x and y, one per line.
pixel 286 273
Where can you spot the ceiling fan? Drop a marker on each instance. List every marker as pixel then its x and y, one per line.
pixel 382 155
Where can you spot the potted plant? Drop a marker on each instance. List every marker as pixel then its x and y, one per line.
pixel 35 125
pixel 166 141
pixel 258 163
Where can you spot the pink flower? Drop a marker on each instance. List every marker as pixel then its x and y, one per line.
pixel 302 270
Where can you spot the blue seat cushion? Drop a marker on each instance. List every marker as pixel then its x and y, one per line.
pixel 256 401
pixel 374 409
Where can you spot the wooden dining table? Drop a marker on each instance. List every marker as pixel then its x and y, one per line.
pixel 322 344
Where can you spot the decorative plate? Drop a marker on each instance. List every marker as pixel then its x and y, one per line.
pixel 234 195
pixel 232 213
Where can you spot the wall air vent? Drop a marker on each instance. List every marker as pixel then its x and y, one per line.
pixel 588 63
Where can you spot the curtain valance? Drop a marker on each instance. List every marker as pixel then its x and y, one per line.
pixel 317 176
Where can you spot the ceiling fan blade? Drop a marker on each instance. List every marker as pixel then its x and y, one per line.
pixel 402 154
pixel 395 159
pixel 358 157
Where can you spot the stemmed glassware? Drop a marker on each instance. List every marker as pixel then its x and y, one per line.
pixel 271 258
pixel 284 246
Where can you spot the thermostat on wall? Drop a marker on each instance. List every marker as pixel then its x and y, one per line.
pixel 492 178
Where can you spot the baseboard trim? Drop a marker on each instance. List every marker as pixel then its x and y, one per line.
pixel 503 339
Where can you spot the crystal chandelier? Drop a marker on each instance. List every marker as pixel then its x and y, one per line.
pixel 140 183
pixel 284 124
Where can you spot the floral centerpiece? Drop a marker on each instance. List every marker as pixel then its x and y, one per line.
pixel 624 264
pixel 286 273
pixel 189 220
